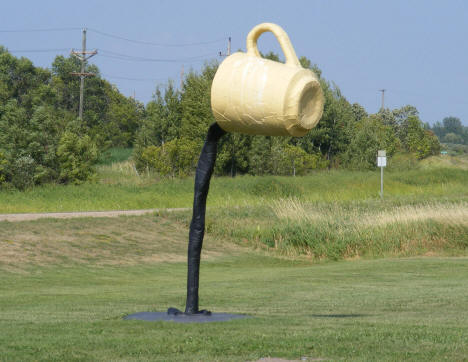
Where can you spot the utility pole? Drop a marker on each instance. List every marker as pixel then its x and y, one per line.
pixel 383 97
pixel 228 49
pixel 181 77
pixel 83 56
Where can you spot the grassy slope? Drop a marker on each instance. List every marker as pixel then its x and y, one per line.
pixel 63 297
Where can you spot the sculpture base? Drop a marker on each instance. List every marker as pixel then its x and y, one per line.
pixel 175 315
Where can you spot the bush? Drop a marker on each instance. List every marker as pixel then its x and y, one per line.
pixel 296 161
pixel 422 143
pixel 370 136
pixel 175 158
pixel 23 172
pixel 76 156
pixel 3 168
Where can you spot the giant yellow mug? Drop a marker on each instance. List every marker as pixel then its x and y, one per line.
pixel 253 95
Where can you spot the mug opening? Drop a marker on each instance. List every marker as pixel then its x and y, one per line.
pixel 310 105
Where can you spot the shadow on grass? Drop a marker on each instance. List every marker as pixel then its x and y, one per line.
pixel 339 315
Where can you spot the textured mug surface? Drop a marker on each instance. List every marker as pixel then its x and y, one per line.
pixel 253 95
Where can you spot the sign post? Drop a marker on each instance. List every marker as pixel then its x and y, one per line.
pixel 381 162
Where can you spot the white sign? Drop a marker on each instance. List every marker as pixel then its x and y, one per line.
pixel 381 161
pixel 381 158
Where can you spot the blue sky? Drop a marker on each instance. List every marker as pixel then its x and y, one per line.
pixel 417 50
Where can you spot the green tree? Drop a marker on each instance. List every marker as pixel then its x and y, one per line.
pixel 174 158
pixel 196 103
pixel 122 118
pixel 421 142
pixel 76 156
pixel 111 118
pixel 401 121
pixel 453 138
pixel 161 123
pixel 3 168
pixel 452 125
pixel 297 162
pixel 358 111
pixel 370 135
pixel 260 160
pixel 233 154
pixel 332 134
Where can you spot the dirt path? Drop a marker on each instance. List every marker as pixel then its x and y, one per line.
pixel 68 215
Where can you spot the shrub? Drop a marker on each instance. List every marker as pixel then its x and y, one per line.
pixel 296 161
pixel 3 168
pixel 23 172
pixel 422 143
pixel 371 135
pixel 174 158
pixel 76 156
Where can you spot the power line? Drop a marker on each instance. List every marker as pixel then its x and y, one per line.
pixel 114 55
pixel 37 30
pixel 154 60
pixel 144 42
pixel 153 43
pixel 134 79
pixel 37 50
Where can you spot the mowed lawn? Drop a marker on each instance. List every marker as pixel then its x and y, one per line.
pixel 66 284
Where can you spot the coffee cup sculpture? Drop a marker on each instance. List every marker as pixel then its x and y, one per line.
pixel 249 95
pixel 259 96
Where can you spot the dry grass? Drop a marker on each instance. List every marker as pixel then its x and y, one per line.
pixel 460 162
pixel 446 213
pixel 98 241
pixel 123 173
pixel 324 231
pixel 296 210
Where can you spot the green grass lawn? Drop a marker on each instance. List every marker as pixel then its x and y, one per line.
pixel 395 309
pixel 66 284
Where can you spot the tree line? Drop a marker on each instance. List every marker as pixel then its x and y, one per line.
pixel 41 139
pixel 451 130
pixel 176 121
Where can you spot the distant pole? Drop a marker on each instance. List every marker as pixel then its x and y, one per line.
pixel 83 47
pixel 221 54
pixel 83 56
pixel 181 77
pixel 381 183
pixel 383 98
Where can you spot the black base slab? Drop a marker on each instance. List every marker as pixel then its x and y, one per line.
pixel 184 318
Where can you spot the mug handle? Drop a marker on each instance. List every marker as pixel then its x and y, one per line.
pixel 281 36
